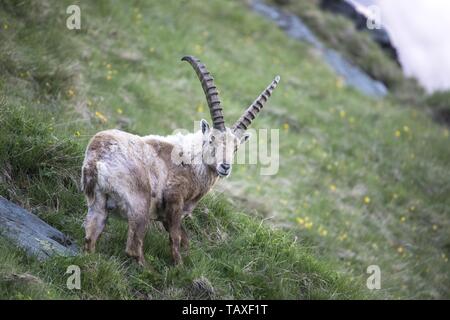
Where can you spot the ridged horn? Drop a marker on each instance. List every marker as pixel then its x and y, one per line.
pixel 211 93
pixel 250 114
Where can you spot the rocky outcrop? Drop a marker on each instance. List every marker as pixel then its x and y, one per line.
pixel 346 9
pixel 295 28
pixel 30 233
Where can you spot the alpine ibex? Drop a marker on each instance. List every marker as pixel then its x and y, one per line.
pixel 141 178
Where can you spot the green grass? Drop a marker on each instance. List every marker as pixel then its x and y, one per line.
pixel 337 147
pixel 233 256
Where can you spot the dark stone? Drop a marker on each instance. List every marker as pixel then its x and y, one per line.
pixel 442 116
pixel 380 36
pixel 282 2
pixel 30 233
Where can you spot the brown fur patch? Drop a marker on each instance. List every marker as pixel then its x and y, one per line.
pixel 98 145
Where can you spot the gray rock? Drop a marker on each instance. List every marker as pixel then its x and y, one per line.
pixel 201 288
pixel 30 233
pixel 380 36
pixel 295 28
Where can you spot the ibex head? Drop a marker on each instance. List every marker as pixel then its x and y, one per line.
pixel 221 143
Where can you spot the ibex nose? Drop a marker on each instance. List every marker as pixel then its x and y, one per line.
pixel 225 166
pixel 224 169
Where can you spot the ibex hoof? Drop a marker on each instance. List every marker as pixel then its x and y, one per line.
pixel 88 247
pixel 178 261
pixel 140 260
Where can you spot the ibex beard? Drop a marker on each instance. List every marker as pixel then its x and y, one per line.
pixel 136 177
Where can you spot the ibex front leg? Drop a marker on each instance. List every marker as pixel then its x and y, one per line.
pixel 173 226
pixel 183 234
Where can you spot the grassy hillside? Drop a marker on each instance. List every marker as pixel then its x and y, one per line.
pixel 60 87
pixel 360 182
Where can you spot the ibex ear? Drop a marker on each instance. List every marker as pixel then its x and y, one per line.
pixel 245 137
pixel 204 125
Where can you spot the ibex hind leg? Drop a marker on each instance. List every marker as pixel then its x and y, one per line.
pixel 95 220
pixel 138 222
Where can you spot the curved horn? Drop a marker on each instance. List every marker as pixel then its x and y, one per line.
pixel 250 114
pixel 211 93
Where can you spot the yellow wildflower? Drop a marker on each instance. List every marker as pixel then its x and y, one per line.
pixel 198 49
pixel 108 77
pixel 286 126
pixel 342 237
pixel 5 26
pixel 119 110
pixel 200 108
pixel 342 114
pixel 366 200
pixel 406 128
pixel 435 227
pixel 300 221
pixel 400 249
pixel 101 117
pixel 322 231
pixel 398 133
pixel 340 83
pixel 333 188
pixel 108 66
pixel 402 219
pixel 77 133
pixel 308 225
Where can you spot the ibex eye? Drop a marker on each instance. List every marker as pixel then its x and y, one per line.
pixel 212 139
